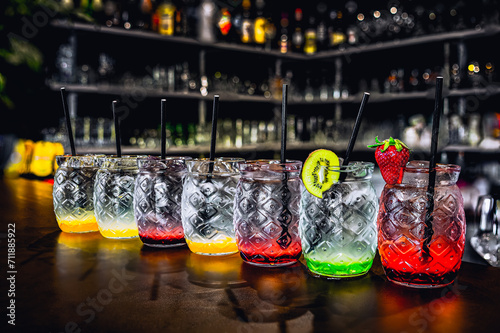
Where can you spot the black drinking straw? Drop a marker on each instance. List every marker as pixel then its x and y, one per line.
pixel 213 138
pixel 117 131
pixel 354 135
pixel 68 121
pixel 355 129
pixel 284 102
pixel 163 129
pixel 285 216
pixel 438 108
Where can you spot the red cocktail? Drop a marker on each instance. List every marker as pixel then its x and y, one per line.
pixel 414 253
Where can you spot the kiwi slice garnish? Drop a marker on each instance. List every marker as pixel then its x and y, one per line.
pixel 318 172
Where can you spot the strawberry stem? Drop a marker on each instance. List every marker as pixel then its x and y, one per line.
pixel 389 142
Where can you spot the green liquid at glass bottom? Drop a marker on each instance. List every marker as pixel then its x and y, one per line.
pixel 335 270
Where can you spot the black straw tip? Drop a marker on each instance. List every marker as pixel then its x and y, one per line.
pixel 163 128
pixel 68 121
pixel 283 123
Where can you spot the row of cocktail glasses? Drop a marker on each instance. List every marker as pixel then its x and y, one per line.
pixel 261 210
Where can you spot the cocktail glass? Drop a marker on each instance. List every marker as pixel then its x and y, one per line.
pixel 157 201
pixel 266 216
pixel 73 193
pixel 339 231
pixel 412 253
pixel 114 197
pixel 207 205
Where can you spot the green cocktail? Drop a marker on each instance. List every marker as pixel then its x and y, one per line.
pixel 334 269
pixel 339 231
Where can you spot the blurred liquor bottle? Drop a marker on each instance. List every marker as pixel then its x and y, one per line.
pixel 190 17
pixel 180 22
pixel 415 81
pixel 144 19
pixel 336 30
pixel 284 40
pixel 259 23
pixel 155 17
pixel 166 18
pixel 351 23
pixel 298 31
pixel 224 25
pixel 321 27
pixel 97 11
pixel 490 72
pixel 246 35
pixel 310 37
pixel 112 13
pixel 128 14
pixel 206 21
pixel 85 7
pixel 270 30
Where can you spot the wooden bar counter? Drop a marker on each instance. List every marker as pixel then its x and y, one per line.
pixel 86 283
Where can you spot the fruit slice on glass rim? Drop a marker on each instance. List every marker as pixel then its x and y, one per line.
pixel 320 171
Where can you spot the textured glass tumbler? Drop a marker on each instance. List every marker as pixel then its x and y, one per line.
pixel 207 205
pixel 412 252
pixel 157 201
pixel 339 232
pixel 266 216
pixel 73 193
pixel 114 197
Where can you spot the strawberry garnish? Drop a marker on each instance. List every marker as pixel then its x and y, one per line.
pixel 391 156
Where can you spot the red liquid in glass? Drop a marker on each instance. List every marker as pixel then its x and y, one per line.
pixel 403 229
pixel 156 236
pixel 270 254
pixel 414 267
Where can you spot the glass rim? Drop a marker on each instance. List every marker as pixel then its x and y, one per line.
pixel 273 162
pixel 167 158
pixel 80 155
pixel 352 166
pixel 222 166
pixel 424 167
pixel 270 166
pixel 219 159
pixel 123 157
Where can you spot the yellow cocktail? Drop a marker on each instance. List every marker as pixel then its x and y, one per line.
pixel 225 245
pixel 88 224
